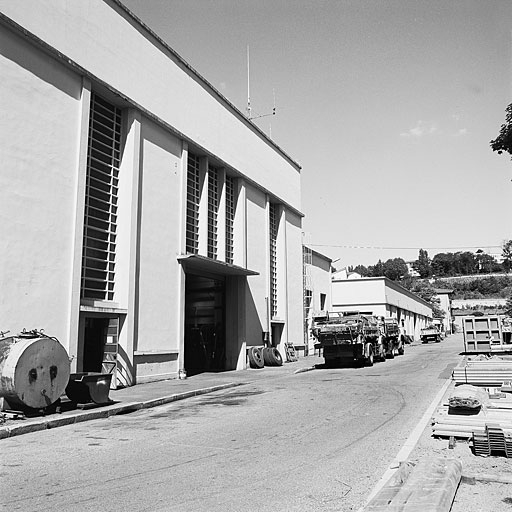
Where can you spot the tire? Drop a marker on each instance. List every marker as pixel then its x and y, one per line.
pixel 256 358
pixel 266 356
pixel 272 356
pixel 369 360
pixel 401 350
pixel 277 357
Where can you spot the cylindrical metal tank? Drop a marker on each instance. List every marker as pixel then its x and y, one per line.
pixel 34 370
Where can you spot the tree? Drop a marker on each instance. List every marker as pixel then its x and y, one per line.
pixel 507 255
pixel 376 270
pixel 503 142
pixel 486 263
pixel 361 270
pixel 423 264
pixel 427 292
pixel 443 264
pixel 395 269
pixel 466 263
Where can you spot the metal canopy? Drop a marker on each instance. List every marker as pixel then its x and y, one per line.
pixel 196 263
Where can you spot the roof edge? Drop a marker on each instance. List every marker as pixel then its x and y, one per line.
pixel 215 91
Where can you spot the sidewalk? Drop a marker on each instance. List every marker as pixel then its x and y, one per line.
pixel 144 396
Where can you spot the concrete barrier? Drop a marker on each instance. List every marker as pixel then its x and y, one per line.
pixel 429 486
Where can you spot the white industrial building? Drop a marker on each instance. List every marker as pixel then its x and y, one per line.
pixel 317 291
pixel 445 304
pixel 380 296
pixel 145 221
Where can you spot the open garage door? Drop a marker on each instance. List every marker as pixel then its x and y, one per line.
pixel 205 341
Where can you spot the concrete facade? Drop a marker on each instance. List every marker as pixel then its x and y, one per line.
pixel 317 290
pixel 381 297
pixel 57 59
pixel 445 303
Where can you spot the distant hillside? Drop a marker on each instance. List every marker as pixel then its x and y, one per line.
pixel 478 286
pixel 474 277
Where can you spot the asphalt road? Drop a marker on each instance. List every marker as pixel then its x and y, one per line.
pixel 315 441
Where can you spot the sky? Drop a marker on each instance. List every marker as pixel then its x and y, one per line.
pixel 387 105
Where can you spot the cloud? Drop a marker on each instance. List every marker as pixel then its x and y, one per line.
pixel 461 132
pixel 421 129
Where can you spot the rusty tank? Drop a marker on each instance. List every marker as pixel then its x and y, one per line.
pixel 34 370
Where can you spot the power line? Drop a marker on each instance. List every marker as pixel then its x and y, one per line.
pixel 405 248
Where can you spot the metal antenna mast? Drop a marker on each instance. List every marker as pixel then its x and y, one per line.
pixel 248 87
pixel 249 109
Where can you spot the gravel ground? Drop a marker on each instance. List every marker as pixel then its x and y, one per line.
pixel 471 497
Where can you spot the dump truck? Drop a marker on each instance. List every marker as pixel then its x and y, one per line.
pixel 430 333
pixel 390 337
pixel 349 338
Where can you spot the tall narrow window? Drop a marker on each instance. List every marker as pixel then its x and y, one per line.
pixel 193 197
pixel 323 296
pixel 273 259
pixel 100 222
pixel 230 217
pixel 213 210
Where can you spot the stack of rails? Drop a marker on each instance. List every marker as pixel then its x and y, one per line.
pixel 494 441
pixel 491 372
pixel 446 423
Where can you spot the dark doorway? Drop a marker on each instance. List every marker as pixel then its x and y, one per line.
pixel 277 331
pixel 95 338
pixel 205 342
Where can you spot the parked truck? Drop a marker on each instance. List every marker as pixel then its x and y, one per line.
pixel 390 337
pixel 349 338
pixel 430 333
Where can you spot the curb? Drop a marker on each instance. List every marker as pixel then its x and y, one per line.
pixel 39 424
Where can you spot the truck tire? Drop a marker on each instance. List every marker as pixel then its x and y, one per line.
pixel 369 358
pixel 276 357
pixel 256 358
pixel 401 350
pixel 272 357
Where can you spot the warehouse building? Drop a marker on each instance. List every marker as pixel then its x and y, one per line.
pixel 317 292
pixel 146 222
pixel 380 296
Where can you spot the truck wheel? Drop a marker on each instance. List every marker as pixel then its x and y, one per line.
pixel 272 357
pixel 276 357
pixel 401 350
pixel 369 358
pixel 255 358
pixel 267 355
